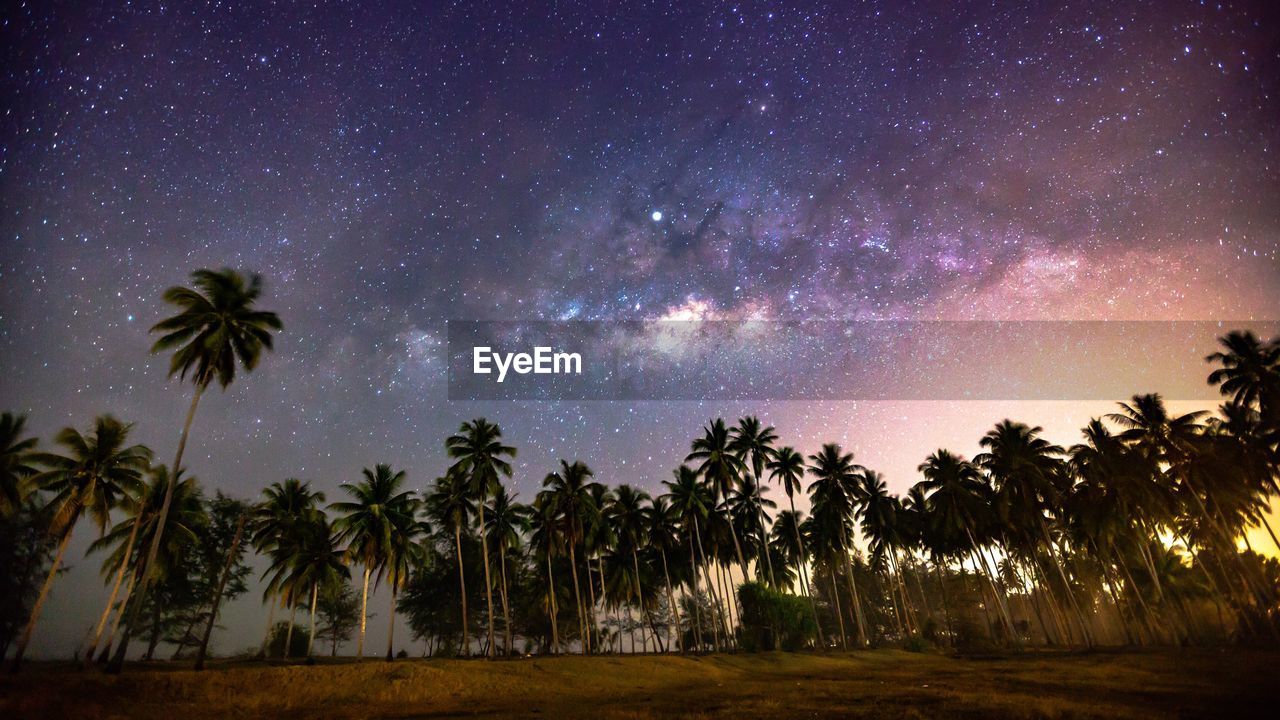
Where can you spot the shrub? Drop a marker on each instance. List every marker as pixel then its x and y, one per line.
pixel 297 643
pixel 770 620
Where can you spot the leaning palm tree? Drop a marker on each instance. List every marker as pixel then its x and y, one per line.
pixel 753 441
pixel 449 506
pixel 480 456
pixel 98 471
pixel 374 525
pixel 16 466
pixel 217 328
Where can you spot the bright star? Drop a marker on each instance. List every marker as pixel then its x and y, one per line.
pixel 657 216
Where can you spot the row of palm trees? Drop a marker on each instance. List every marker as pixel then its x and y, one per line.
pixel 1131 535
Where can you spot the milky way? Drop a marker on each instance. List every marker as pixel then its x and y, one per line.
pixel 387 170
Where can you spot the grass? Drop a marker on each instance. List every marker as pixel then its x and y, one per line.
pixel 874 684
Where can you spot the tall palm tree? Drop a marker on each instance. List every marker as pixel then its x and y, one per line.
pixel 787 468
pixel 661 533
pixel 505 520
pixel 720 466
pixel 217 328
pixel 1030 482
pixel 754 441
pixel 278 525
pixel 627 515
pixel 568 491
pixel 315 560
pixel 98 471
pixel 450 507
pixel 545 541
pixel 16 466
pixel 692 502
pixel 834 499
pixel 481 457
pixel 377 526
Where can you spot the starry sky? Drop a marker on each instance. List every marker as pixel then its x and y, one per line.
pixel 388 169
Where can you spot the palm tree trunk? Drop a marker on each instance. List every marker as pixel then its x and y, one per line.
pixel 835 596
pixel 1071 596
pixel 144 584
pixel 44 594
pixel 635 563
pixel 222 584
pixel 853 589
pixel 391 624
pixel 671 598
pixel 577 594
pixel 506 609
pixel 293 613
pixel 364 614
pixel 697 610
pixel 120 611
pixel 115 589
pixel 715 602
pixel 462 588
pixel 311 637
pixel 592 626
pixel 946 605
pixel 764 537
pixel 488 582
pixel 271 618
pixel 551 596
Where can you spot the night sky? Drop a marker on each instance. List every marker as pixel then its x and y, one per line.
pixel 388 169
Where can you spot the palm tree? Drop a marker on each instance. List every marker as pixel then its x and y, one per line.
pixel 1250 373
pixel 545 541
pixel 217 327
pixel 787 468
pixel 834 498
pixel 753 441
pixel 99 471
pixel 961 501
pixel 481 457
pixel 721 466
pixel 317 561
pixel 626 513
pixel 449 505
pixel 1030 481
pixel 377 527
pixel 569 493
pixel 16 466
pixel 691 502
pixel 661 533
pixel 278 525
pixel 505 521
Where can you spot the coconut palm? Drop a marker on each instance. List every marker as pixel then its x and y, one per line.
pixel 505 520
pixel 1030 482
pixel 277 527
pixel 568 492
pixel 754 441
pixel 545 542
pixel 99 471
pixel 721 466
pixel 378 527
pixel 691 503
pixel 313 558
pixel 1250 373
pixel 449 505
pixel 834 499
pixel 16 466
pixel 626 514
pixel 480 456
pixel 662 536
pixel 217 328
